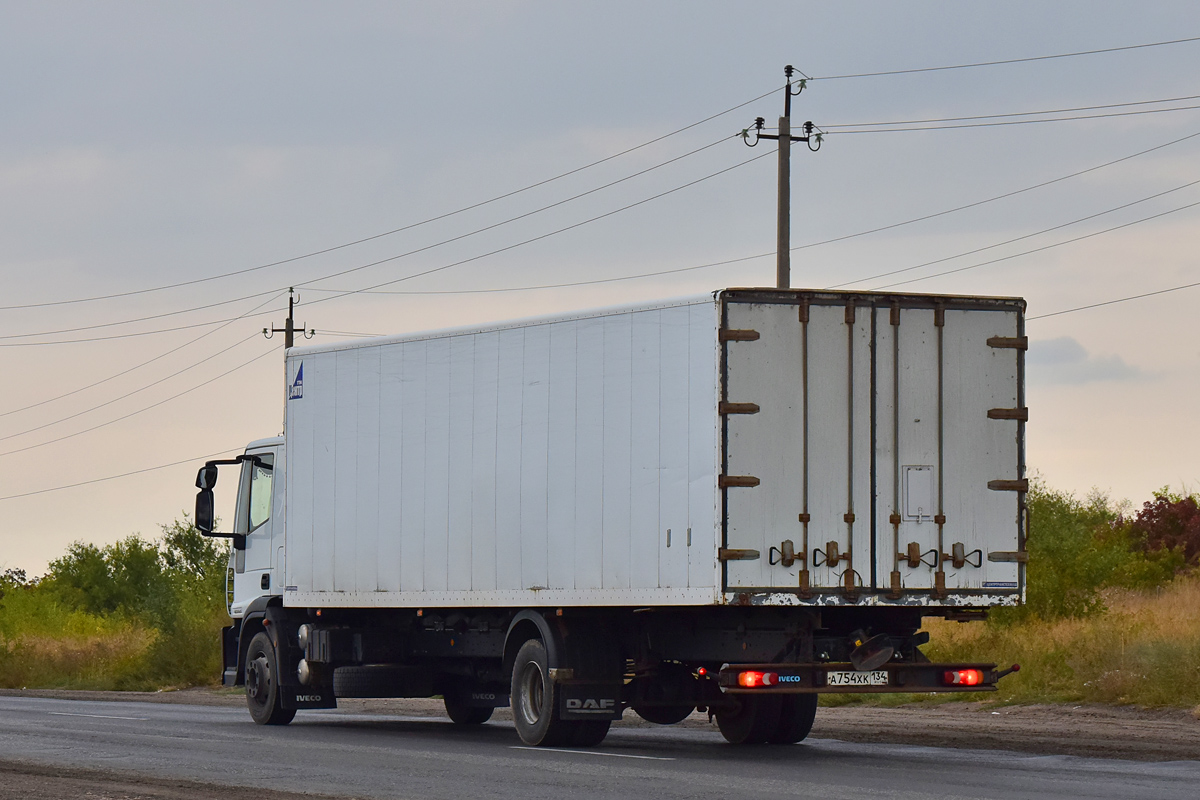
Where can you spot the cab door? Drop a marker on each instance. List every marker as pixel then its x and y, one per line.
pixel 254 567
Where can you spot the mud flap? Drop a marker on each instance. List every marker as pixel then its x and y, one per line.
pixel 589 701
pixel 307 697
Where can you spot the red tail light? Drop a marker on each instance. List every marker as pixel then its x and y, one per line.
pixel 963 677
pixel 752 679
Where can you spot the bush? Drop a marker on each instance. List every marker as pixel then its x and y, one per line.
pixel 1170 523
pixel 1077 549
pixel 131 615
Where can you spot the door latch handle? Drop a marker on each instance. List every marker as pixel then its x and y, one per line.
pixel 959 557
pixel 916 558
pixel 829 556
pixel 784 555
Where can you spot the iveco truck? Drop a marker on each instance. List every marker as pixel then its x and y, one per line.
pixel 732 503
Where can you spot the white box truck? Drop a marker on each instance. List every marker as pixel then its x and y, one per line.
pixel 732 503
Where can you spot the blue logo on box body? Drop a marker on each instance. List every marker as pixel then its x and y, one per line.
pixel 297 390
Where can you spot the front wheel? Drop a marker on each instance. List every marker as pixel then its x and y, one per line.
pixel 262 684
pixel 534 700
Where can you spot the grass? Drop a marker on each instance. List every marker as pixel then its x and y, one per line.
pixel 1143 650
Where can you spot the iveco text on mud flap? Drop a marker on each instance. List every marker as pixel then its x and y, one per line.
pixel 731 502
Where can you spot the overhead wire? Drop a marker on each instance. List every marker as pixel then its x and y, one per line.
pixel 259 357
pixel 830 128
pixel 1006 61
pixel 401 229
pixel 393 258
pixel 1019 238
pixel 98 326
pixel 132 393
pixel 519 216
pixel 1042 249
pixel 415 251
pixel 558 285
pixel 658 273
pixel 1014 122
pixel 136 367
pixel 541 236
pixel 136 334
pixel 122 475
pixel 1114 302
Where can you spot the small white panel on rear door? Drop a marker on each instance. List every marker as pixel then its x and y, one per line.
pixel 918 493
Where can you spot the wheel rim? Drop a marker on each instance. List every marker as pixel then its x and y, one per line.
pixel 533 693
pixel 258 677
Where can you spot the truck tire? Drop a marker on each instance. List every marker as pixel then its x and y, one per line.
pixel 795 718
pixel 535 700
pixel 664 715
pixel 753 722
pixel 461 713
pixel 591 732
pixel 262 683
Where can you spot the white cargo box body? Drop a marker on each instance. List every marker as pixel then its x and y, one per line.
pixel 749 446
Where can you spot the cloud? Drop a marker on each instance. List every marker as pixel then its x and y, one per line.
pixel 1065 361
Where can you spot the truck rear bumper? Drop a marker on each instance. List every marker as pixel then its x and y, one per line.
pixel 843 678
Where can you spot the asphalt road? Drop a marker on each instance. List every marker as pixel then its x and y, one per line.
pixel 344 754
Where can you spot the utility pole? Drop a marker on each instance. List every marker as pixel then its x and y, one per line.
pixel 783 244
pixel 289 328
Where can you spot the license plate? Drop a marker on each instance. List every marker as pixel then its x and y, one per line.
pixel 852 678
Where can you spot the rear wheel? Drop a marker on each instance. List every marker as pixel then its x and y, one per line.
pixel 534 700
pixel 664 715
pixel 589 733
pixel 262 684
pixel 461 713
pixel 753 722
pixel 795 718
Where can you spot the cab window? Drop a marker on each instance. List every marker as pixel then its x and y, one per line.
pixel 254 501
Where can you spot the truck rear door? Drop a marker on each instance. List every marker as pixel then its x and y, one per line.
pixel 872 444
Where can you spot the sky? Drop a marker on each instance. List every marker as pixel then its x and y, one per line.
pixel 146 145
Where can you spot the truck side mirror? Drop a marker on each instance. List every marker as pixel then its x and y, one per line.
pixel 204 509
pixel 206 478
pixel 205 516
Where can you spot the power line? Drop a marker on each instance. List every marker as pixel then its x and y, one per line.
pixel 172 351
pixel 1113 302
pixel 1016 239
pixel 122 475
pixel 143 333
pixel 820 243
pixel 988 125
pixel 416 251
pixel 350 333
pixel 394 230
pixel 518 217
pixel 273 292
pixel 1040 249
pixel 542 236
pixel 1006 61
pixel 129 394
pixel 557 285
pixel 393 258
pixel 831 128
pixel 140 410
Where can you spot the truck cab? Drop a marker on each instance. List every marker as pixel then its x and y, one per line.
pixel 257 556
